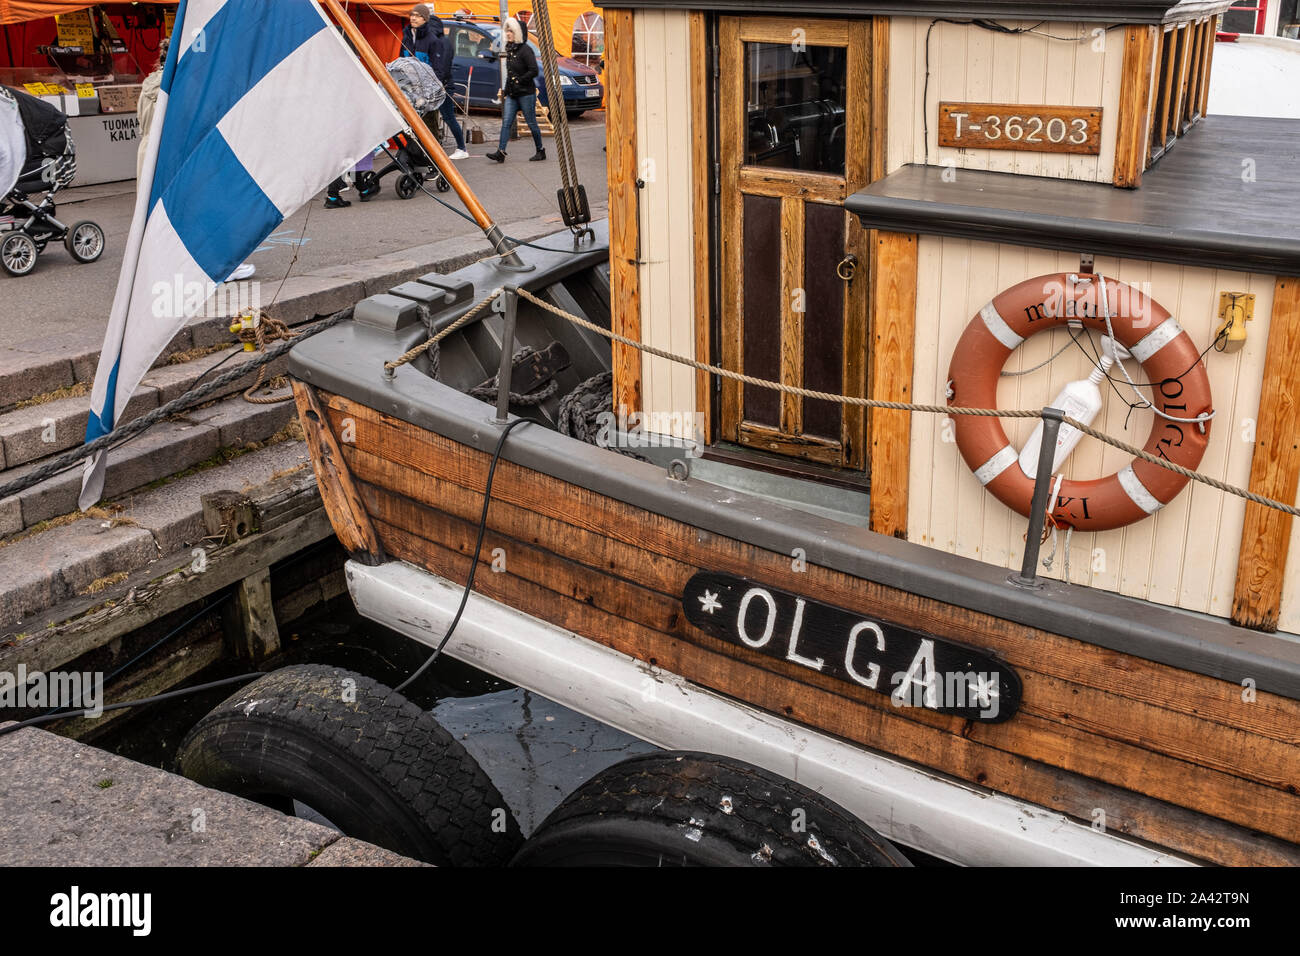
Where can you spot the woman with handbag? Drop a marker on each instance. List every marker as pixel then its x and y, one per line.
pixel 520 91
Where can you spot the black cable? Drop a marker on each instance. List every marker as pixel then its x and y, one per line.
pixel 122 705
pixel 154 646
pixel 473 558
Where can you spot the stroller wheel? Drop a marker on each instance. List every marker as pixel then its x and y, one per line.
pixel 85 241
pixel 408 185
pixel 18 253
pixel 443 185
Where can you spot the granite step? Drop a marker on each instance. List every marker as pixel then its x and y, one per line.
pixel 75 556
pixel 39 431
pixel 165 449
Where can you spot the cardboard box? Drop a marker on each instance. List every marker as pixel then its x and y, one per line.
pixel 121 98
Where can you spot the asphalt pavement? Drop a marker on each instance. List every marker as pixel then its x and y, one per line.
pixel 61 296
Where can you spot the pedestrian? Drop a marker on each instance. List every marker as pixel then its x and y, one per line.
pixel 425 39
pixel 520 91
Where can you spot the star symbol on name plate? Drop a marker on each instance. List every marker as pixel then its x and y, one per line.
pixel 985 688
pixel 709 603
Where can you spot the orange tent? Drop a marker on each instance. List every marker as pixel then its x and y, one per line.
pixel 380 21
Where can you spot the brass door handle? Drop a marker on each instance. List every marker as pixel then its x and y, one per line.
pixel 847 268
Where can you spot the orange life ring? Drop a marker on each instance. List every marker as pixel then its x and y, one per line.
pixel 1168 356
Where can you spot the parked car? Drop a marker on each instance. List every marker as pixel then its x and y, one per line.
pixel 477 69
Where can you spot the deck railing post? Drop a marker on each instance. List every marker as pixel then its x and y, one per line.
pixel 1028 576
pixel 511 296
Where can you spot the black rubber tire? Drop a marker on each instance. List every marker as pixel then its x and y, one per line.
pixel 94 249
pixel 695 809
pixel 379 768
pixel 407 186
pixel 443 185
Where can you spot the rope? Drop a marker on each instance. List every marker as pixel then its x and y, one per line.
pixel 178 404
pixel 488 390
pixel 253 330
pixel 579 413
pixel 559 117
pixel 393 366
pixel 1091 432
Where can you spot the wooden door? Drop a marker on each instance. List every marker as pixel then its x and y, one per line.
pixel 794 126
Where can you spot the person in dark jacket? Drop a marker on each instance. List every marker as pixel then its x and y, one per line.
pixel 520 91
pixel 425 39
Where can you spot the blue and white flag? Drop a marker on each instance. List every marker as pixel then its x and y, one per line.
pixel 261 105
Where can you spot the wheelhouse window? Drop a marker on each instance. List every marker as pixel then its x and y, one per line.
pixel 796 98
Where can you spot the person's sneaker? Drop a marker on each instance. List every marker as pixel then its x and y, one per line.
pixel 245 271
pixel 336 202
pixel 459 154
pixel 538 157
pixel 497 157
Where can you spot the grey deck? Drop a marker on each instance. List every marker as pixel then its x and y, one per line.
pixel 1193 207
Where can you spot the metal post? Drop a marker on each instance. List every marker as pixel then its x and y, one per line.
pixel 511 294
pixel 1028 576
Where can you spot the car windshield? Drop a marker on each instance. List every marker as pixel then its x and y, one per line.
pixel 495 33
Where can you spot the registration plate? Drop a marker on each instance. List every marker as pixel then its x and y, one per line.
pixel 593 92
pixel 913 668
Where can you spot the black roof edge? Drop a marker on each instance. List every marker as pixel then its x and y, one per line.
pixel 1104 11
pixel 1271 256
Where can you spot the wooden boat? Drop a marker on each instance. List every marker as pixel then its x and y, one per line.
pixel 812 194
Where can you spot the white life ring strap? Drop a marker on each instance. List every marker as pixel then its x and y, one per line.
pixel 1156 339
pixel 998 327
pixel 996 465
pixel 1137 491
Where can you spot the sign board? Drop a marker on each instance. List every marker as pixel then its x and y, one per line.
pixel 119 99
pixel 75 30
pixel 1038 129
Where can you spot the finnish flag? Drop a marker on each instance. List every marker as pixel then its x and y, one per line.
pixel 261 105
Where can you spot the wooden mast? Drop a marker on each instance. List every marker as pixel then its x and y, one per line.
pixel 431 146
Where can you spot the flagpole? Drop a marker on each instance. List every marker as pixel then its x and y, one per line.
pixel 379 72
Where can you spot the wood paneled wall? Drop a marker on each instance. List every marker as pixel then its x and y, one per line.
pixel 1187 554
pixel 971 64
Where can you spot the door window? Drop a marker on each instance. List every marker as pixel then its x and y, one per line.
pixel 795 106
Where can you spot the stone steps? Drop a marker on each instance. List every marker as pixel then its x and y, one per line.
pixel 72 560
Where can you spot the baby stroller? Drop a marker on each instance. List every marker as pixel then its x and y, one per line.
pixel 420 86
pixel 48 163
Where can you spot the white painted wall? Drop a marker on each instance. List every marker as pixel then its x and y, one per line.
pixel 1186 555
pixel 970 64
pixel 663 98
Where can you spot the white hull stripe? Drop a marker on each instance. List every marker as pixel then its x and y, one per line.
pixel 999 328
pixel 996 465
pixel 1138 492
pixel 1156 339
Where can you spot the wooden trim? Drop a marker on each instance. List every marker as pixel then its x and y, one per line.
pixel 778 184
pixel 1274 470
pixel 732 207
pixel 624 205
pixel 1196 66
pixel 792 278
pixel 858 157
pixel 823 451
pixel 1174 127
pixel 1209 66
pixel 878 135
pixel 1134 106
pixel 702 188
pixel 784 30
pixel 893 328
pixel 343 504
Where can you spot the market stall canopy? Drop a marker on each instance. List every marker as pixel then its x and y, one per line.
pixel 20 11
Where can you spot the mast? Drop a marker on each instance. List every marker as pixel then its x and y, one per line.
pixel 500 244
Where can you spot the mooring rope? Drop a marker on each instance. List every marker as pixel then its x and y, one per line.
pixel 178 404
pixel 854 400
pixel 259 330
